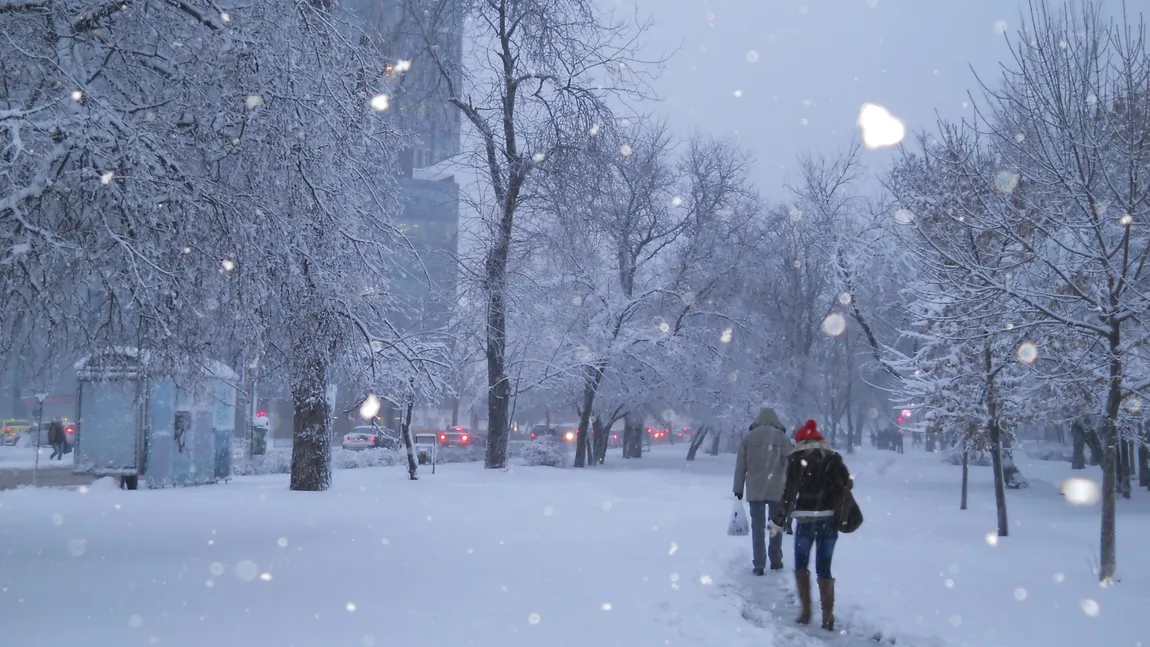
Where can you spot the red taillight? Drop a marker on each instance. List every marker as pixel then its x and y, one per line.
pixel 532 435
pixel 347 437
pixel 374 439
pixel 464 439
pixel 443 436
pixel 615 437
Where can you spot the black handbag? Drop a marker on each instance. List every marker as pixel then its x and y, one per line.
pixel 848 516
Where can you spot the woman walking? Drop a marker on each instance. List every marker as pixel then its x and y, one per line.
pixel 816 479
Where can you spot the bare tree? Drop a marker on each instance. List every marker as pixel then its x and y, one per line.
pixel 539 81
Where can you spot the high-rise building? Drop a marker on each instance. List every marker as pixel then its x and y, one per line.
pixel 420 105
pixel 426 275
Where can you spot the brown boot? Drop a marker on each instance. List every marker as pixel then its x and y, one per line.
pixel 803 584
pixel 827 597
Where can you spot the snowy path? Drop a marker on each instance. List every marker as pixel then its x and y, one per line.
pixel 631 554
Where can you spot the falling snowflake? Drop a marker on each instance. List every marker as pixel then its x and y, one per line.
pixel 625 150
pixel 539 157
pixel 752 56
pixel 1027 353
pixel 1005 181
pixel 350 606
pixel 676 201
pixel 1019 138
pixel 77 95
pixel 534 618
pixel 380 102
pixel 992 539
pixel 246 570
pixel 135 621
pixel 266 577
pixel 834 325
pixel 254 101
pixel 725 336
pixel 594 130
pixel 1020 594
pixel 1090 607
pixel 403 65
pixel 370 407
pixel 106 177
pixel 903 216
pixel 794 213
pixel 738 94
pixel 606 606
pixel 1000 26
pixel 1081 491
pixel 845 298
pixel 879 128
pixel 77 547
pixel 1125 220
pixel 225 17
pixel 796 264
pixel 674 549
pixel 1091 99
pixel 705 580
pixel 228 265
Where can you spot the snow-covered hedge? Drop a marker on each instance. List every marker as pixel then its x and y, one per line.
pixel 278 461
pixel 1048 451
pixel 954 457
pixel 546 452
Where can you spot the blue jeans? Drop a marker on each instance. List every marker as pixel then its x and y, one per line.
pixel 762 548
pixel 820 533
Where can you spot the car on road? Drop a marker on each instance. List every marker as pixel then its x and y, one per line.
pixel 368 437
pixel 457 437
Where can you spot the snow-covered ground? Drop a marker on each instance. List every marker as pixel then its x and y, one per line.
pixel 25 458
pixel 634 554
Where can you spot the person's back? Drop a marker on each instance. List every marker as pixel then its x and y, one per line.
pixel 760 470
pixel 816 479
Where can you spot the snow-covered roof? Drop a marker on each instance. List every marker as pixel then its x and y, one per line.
pixel 128 356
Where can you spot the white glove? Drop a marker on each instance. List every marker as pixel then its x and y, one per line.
pixel 773 529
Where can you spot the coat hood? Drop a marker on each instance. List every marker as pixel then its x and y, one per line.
pixel 768 418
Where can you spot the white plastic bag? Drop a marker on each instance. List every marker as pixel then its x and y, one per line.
pixel 739 526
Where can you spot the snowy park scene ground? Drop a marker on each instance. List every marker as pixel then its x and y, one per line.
pixel 634 555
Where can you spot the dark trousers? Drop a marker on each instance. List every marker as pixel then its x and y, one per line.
pixel 57 451
pixel 821 534
pixel 761 548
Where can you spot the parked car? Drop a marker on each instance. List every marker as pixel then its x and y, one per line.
pixel 368 437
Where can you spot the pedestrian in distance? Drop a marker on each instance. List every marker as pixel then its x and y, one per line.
pixel 57 439
pixel 816 480
pixel 760 475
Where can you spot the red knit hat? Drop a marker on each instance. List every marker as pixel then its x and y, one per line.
pixel 809 431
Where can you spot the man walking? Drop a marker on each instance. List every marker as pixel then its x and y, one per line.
pixel 57 439
pixel 761 470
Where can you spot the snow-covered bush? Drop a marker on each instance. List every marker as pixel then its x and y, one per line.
pixel 1047 451
pixel 954 457
pixel 546 452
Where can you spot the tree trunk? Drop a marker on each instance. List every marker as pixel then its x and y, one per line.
pixel 1144 457
pixel 965 476
pixel 590 388
pixel 599 446
pixel 1124 473
pixel 311 442
pixel 715 443
pixel 1108 553
pixel 995 442
pixel 455 413
pixel 696 443
pixel 999 481
pixel 632 436
pixel 1078 436
pixel 409 442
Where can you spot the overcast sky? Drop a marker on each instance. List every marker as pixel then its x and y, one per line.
pixel 819 61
